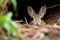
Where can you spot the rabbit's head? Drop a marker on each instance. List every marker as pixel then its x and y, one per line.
pixel 36 17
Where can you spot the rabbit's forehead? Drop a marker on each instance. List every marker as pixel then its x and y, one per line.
pixel 37 17
pixel 37 20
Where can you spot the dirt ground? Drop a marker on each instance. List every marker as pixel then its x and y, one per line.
pixel 32 32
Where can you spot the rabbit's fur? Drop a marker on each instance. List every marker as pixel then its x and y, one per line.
pixel 37 17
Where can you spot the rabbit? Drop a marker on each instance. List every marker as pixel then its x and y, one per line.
pixel 37 18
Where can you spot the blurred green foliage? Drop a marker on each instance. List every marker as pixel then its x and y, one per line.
pixel 4 3
pixel 1 3
pixel 8 24
pixel 14 3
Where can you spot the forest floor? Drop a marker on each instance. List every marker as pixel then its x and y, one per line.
pixel 32 32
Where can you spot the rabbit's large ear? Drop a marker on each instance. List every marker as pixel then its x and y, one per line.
pixel 42 11
pixel 31 12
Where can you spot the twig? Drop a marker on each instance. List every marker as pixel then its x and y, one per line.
pixel 53 6
pixel 26 20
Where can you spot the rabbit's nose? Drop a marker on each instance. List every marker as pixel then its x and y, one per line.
pixel 37 24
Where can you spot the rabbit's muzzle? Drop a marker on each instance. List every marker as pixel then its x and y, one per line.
pixel 38 23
